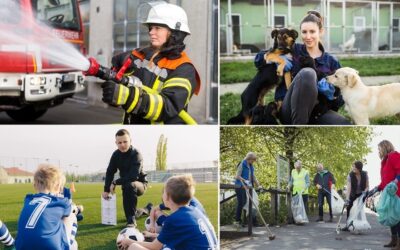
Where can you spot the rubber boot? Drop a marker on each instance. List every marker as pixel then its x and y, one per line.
pixel 393 242
pixel 397 246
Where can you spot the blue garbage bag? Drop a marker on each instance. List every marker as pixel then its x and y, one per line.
pixel 389 206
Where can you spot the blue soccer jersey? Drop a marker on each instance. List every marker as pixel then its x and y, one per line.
pixel 188 228
pixel 193 202
pixel 40 225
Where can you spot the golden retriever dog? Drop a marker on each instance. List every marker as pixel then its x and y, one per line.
pixel 365 102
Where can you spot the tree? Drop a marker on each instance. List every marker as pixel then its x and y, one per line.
pixel 336 147
pixel 161 157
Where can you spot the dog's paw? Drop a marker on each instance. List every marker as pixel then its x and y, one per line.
pixel 279 72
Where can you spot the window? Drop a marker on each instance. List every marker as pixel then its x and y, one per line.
pixel 396 24
pixel 10 12
pixel 280 21
pixel 359 23
pixel 84 7
pixel 60 14
pixel 236 29
pixel 129 33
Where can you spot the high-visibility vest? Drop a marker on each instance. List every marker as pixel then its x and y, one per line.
pixel 299 181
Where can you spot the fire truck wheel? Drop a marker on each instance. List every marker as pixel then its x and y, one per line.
pixel 27 114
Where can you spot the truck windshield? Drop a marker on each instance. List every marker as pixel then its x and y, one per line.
pixel 61 14
pixel 10 12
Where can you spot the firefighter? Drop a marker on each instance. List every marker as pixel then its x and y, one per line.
pixel 162 77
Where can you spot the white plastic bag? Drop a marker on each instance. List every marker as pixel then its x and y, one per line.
pixel 109 210
pixel 337 204
pixel 357 221
pixel 298 209
pixel 256 203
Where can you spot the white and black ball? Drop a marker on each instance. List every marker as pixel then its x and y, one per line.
pixel 147 225
pixel 130 233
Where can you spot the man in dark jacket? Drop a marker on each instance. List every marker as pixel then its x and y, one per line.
pixel 324 181
pixel 128 161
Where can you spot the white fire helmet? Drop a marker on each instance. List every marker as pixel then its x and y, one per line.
pixel 168 14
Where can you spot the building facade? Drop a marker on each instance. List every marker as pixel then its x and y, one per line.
pixel 368 27
pixel 15 175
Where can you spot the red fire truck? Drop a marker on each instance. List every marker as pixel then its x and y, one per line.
pixel 31 81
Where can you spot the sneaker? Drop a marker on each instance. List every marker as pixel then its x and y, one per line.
pixel 140 212
pixel 345 229
pixel 131 223
pixel 237 224
pixel 330 220
pixel 148 207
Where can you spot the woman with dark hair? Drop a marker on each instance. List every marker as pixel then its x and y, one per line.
pixel 357 185
pixel 390 171
pixel 309 99
pixel 162 78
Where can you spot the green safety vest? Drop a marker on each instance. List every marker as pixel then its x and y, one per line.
pixel 299 181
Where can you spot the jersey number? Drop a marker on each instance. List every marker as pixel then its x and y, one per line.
pixel 41 203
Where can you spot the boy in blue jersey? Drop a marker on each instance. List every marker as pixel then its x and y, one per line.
pixel 5 237
pixel 46 215
pixel 158 216
pixel 186 227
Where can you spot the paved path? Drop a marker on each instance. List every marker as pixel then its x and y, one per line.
pixel 313 236
pixel 238 88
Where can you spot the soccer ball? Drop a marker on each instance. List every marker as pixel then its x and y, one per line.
pixel 147 225
pixel 130 233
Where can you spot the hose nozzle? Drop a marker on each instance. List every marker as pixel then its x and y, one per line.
pixel 93 68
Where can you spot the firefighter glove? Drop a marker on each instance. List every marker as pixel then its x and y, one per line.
pixel 115 94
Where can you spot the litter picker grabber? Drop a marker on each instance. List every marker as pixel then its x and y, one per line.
pixel 326 190
pixel 338 229
pixel 271 236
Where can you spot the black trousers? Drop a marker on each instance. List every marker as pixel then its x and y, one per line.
pixel 130 192
pixel 321 195
pixel 301 99
pixel 352 199
pixel 395 230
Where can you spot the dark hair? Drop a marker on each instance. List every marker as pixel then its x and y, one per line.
pixel 174 45
pixel 315 17
pixel 358 165
pixel 122 132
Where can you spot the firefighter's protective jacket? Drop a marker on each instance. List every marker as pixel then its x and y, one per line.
pixel 171 81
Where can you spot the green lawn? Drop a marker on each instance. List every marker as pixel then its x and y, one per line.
pixel 91 234
pixel 232 72
pixel 230 106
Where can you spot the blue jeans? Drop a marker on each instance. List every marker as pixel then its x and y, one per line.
pixel 241 201
pixel 321 195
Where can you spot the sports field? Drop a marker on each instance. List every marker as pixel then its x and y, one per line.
pixel 91 234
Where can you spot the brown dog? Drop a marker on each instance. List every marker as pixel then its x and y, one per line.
pixel 284 40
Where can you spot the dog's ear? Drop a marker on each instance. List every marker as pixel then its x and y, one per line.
pixel 294 34
pixel 274 33
pixel 351 80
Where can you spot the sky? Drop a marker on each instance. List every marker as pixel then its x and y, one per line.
pixel 373 165
pixel 87 149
